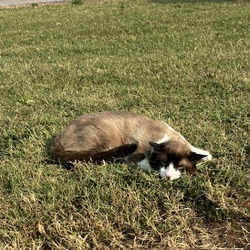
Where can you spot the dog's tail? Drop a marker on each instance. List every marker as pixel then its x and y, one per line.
pixel 58 153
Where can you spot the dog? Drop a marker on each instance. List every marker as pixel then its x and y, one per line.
pixel 151 144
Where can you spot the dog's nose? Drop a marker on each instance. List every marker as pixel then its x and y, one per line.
pixel 168 175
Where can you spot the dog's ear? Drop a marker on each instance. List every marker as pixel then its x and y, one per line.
pixel 157 147
pixel 199 154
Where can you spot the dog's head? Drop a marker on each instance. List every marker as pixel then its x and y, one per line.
pixel 172 158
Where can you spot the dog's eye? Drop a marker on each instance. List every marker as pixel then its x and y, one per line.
pixel 180 167
pixel 165 163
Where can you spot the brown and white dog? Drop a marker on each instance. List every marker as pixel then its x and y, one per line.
pixel 151 144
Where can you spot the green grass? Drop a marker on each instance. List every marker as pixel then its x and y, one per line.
pixel 182 61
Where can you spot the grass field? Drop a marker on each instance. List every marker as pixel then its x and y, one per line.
pixel 186 62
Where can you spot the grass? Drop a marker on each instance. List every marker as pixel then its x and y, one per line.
pixel 186 62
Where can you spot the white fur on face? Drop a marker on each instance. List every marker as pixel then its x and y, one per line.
pixel 170 172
